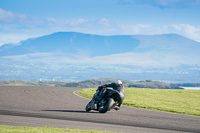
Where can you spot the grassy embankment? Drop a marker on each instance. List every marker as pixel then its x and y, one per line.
pixel 168 100
pixel 14 129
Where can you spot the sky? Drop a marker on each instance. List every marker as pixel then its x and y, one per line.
pixel 23 19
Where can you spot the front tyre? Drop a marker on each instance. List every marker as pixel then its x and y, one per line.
pixel 107 106
pixel 88 107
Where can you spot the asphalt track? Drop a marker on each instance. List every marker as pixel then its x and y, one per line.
pixel 60 107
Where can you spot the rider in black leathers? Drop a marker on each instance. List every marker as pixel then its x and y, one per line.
pixel 119 88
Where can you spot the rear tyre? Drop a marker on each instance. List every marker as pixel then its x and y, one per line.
pixel 107 106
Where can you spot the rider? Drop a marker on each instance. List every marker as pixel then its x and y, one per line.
pixel 119 88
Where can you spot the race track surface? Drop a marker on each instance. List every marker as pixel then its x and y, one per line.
pixel 60 107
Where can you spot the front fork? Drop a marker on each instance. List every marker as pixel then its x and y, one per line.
pixel 99 99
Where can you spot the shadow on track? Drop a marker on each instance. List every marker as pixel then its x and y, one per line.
pixel 70 111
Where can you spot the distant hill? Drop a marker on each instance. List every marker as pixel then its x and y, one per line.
pixel 137 84
pixel 79 56
pixel 94 83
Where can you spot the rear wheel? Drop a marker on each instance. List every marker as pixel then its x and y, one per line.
pixel 107 106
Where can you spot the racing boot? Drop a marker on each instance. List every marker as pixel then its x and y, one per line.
pixel 116 106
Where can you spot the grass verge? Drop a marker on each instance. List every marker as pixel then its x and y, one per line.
pixel 16 129
pixel 168 100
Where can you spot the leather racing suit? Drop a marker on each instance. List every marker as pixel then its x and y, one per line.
pixel 119 88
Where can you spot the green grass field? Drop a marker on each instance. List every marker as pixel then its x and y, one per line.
pixel 15 129
pixel 168 100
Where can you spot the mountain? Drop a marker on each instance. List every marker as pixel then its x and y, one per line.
pixel 141 50
pixel 79 56
pixel 73 43
pixel 167 50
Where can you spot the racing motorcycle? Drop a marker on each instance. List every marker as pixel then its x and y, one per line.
pixel 103 100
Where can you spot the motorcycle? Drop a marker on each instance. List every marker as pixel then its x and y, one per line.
pixel 103 100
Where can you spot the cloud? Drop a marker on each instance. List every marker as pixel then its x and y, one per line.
pixel 16 27
pixel 135 29
pixel 164 3
pixel 51 20
pixel 104 26
pixel 176 3
pixel 8 16
pixel 14 30
pixel 147 59
pixel 189 31
pixel 77 22
pixel 104 21
pixel 94 26
pixel 12 38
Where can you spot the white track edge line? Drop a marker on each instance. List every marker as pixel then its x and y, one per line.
pixel 79 95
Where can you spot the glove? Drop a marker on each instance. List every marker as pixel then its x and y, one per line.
pixel 103 86
pixel 100 87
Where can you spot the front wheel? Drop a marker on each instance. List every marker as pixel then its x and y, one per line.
pixel 88 107
pixel 107 106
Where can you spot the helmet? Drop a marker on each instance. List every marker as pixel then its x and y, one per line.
pixel 118 82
